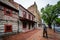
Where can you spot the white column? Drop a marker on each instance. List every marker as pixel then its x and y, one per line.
pixel 31 26
pixel 20 26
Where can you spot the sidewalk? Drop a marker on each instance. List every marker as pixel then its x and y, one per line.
pixel 34 35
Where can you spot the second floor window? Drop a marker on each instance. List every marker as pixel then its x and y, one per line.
pixel 7 11
pixel 29 16
pixel 13 12
pixel 24 14
pixel 32 17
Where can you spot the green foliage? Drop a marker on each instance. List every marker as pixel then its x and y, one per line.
pixel 50 13
pixel 57 21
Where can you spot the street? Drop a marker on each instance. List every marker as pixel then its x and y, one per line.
pixel 36 34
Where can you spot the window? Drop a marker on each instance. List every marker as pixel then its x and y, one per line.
pixel 32 17
pixel 24 14
pixel 7 12
pixel 8 28
pixel 29 16
pixel 14 12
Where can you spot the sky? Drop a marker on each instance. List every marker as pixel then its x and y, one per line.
pixel 40 3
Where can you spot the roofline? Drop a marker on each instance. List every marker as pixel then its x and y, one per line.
pixel 26 9
pixel 9 6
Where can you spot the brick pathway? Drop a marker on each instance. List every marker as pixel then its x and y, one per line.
pixel 34 35
pixel 21 36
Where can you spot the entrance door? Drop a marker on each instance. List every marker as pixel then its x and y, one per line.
pixel 8 28
pixel 24 25
pixel 32 25
pixel 29 26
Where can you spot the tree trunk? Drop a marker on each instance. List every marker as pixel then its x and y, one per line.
pixel 49 25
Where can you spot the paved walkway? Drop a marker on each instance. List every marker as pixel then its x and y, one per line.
pixel 34 35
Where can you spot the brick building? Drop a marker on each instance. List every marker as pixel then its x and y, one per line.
pixel 26 18
pixel 15 18
pixel 8 17
pixel 34 10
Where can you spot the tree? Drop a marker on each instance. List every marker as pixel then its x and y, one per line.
pixel 57 20
pixel 49 14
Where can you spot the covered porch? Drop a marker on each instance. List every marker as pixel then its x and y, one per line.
pixel 27 24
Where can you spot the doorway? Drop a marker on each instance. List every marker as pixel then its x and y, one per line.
pixel 29 25
pixel 24 25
